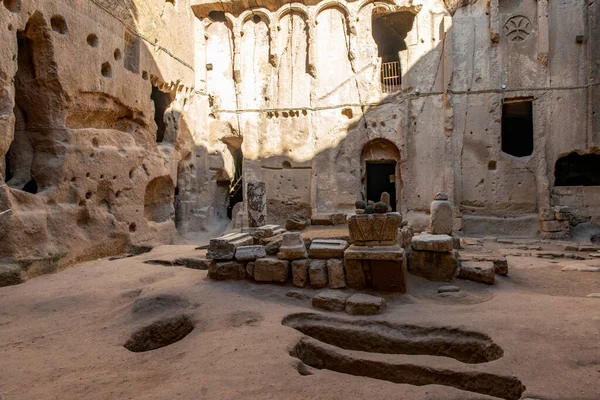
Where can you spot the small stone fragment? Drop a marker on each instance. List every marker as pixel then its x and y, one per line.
pixel 360 204
pixel 297 295
pixel 250 270
pixel 335 271
pixel 370 209
pixel 296 224
pixel 381 207
pixel 441 196
pixel 194 263
pixel 330 300
pixel 364 304
pixel 448 289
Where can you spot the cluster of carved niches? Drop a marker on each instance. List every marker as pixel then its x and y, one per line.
pixel 286 113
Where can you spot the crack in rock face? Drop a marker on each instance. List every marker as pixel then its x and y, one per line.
pixel 160 334
pixel 334 343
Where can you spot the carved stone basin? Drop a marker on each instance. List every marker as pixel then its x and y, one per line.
pixel 374 229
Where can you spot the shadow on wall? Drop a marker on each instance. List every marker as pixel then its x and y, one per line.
pixel 90 168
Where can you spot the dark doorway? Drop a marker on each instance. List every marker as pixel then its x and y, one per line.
pixel 162 101
pixel 517 127
pixel 577 170
pixel 235 188
pixel 381 177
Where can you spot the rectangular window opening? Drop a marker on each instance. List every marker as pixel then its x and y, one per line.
pixel 517 127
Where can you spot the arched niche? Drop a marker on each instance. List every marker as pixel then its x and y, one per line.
pixel 380 171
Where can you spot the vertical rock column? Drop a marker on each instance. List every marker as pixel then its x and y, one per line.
pixel 257 204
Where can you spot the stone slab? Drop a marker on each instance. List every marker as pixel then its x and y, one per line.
pixel 317 273
pixel 437 243
pixel 374 253
pixel 478 271
pixel 250 253
pixel 271 270
pixel 194 263
pixel 364 304
pixel 327 248
pixel 330 300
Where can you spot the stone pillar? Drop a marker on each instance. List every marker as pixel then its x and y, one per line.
pixel 494 21
pixel 441 215
pixel 257 204
pixel 273 51
pixel 543 45
pixel 312 49
pixel 237 58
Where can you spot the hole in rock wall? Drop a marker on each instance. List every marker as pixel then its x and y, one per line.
pixel 381 178
pixel 236 183
pixel 132 52
pixel 217 16
pixel 162 101
pixel 12 5
pixel 158 199
pixel 117 54
pixel 380 172
pixel 389 30
pixel 517 127
pixel 59 24
pixel 39 102
pixel 577 170
pixel 92 40
pixel 106 70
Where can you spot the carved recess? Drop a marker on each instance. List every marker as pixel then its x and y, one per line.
pixel 517 28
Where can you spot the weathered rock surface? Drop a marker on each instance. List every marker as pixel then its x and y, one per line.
pixel 327 248
pixel 300 272
pixel 478 271
pixel 10 275
pixel 330 300
pixel 271 270
pixel 224 270
pixel 296 294
pixel 335 271
pixel 250 253
pixel 194 263
pixel 437 243
pixel 364 304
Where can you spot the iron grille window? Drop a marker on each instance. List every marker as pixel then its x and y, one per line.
pixel 390 76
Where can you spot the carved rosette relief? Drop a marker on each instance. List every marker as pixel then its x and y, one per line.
pixel 517 28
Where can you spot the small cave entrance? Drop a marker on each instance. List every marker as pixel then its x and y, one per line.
pixel 159 199
pixel 162 101
pixel 381 171
pixel 39 104
pixel 389 30
pixel 577 170
pixel 517 127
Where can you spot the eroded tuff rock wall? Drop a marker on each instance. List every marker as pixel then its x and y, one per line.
pixel 301 84
pixel 99 116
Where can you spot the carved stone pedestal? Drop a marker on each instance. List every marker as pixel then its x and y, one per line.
pixel 379 267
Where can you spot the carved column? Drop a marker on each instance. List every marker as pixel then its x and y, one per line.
pixel 237 59
pixel 543 43
pixel 494 21
pixel 273 51
pixel 312 50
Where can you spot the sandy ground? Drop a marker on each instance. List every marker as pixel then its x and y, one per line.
pixel 62 335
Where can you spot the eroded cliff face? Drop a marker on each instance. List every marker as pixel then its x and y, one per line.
pixel 98 113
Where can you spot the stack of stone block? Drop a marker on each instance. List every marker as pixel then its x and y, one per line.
pixel 555 222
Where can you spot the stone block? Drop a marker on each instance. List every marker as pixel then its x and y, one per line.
pixel 320 220
pixel 250 270
pixel 330 300
pixel 295 224
pixel 300 272
pixel 554 226
pixel 432 265
pixel 388 275
pixel 317 273
pixel 250 253
pixel 223 248
pixel 327 248
pixel 437 243
pixel 297 295
pixel 478 271
pixel 500 262
pixel 355 275
pixel 225 270
pixel 273 244
pixel 271 270
pixel 406 235
pixel 547 214
pixel 194 263
pixel 441 217
pixel 335 272
pixel 292 247
pixel 364 304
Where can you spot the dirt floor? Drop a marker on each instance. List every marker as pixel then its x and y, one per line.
pixel 62 336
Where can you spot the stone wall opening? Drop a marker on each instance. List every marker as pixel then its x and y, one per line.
pixel 162 101
pixel 517 127
pixel 389 30
pixel 159 199
pixel 234 145
pixel 577 170
pixel 381 171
